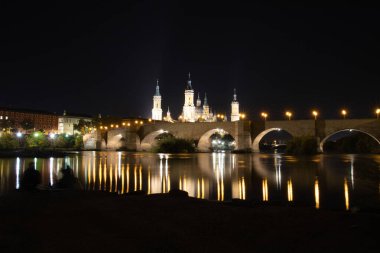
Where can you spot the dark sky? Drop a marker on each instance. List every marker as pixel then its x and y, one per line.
pixel 104 57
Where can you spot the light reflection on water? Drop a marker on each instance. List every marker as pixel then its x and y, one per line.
pixel 323 181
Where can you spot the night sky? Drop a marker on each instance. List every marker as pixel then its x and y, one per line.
pixel 104 57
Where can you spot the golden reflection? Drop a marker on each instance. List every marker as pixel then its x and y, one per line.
pixel 346 194
pixel 200 188
pixel 149 179
pixel 316 193
pixel 116 178
pixel 140 174
pixel 122 178
pixel 168 179
pixel 242 188
pixel 265 190
pixel 111 176
pixel 127 177
pixel 290 190
pixel 93 172
pixel 135 176
pixel 203 188
pixel 100 173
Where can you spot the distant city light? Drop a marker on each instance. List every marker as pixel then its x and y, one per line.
pixel 52 135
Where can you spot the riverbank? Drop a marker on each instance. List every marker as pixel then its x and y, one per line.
pixel 63 221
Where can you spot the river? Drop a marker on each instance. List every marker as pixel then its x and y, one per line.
pixel 337 182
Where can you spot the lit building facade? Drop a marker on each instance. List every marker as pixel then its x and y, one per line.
pixel 66 123
pixel 39 120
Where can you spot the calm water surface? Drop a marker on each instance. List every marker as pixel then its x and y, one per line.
pixel 323 181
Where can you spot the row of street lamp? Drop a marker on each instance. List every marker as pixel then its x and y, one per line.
pixel 315 114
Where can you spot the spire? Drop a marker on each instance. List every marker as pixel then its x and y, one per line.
pixel 188 85
pixel 205 100
pixel 235 99
pixel 168 110
pixel 157 90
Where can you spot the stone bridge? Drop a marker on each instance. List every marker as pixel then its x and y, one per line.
pixel 247 134
pixel 321 129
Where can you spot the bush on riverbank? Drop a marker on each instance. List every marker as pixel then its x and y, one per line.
pixel 174 145
pixel 306 145
pixel 8 142
pixel 39 140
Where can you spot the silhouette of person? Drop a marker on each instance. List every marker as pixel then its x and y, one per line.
pixel 68 179
pixel 31 178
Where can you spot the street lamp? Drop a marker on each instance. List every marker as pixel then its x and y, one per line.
pixel 264 115
pixel 315 114
pixel 344 113
pixel 377 113
pixel 288 114
pixel 242 115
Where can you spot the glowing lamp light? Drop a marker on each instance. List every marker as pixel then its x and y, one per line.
pixel 288 114
pixel 35 134
pixel 344 113
pixel 52 135
pixel 19 135
pixel 377 113
pixel 264 115
pixel 315 114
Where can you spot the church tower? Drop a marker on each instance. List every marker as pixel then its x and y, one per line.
pixel 188 113
pixel 235 108
pixel 206 108
pixel 157 111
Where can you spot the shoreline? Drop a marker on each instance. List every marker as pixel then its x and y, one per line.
pixel 62 221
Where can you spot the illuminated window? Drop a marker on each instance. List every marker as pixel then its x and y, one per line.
pixel 1 117
pixel 6 117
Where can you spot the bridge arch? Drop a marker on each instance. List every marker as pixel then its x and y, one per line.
pixel 321 144
pixel 204 141
pixel 260 136
pixel 149 140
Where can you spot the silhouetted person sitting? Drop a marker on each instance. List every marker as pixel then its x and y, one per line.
pixel 68 179
pixel 31 178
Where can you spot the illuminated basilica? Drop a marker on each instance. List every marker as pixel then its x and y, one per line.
pixel 192 112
